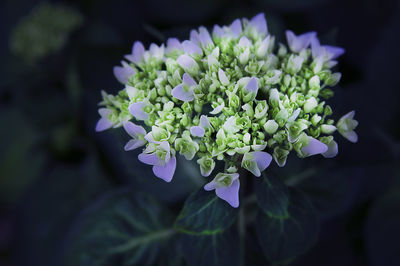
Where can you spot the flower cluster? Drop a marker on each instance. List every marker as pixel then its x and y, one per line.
pixel 232 96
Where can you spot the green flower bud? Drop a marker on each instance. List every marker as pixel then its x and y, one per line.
pixel 328 129
pixel 310 104
pixel 294 129
pixel 281 117
pixel 271 127
pixel 186 146
pixel 280 156
pixel 315 119
pixel 207 165
pixel 261 109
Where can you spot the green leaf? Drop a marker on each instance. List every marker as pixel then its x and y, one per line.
pixel 382 230
pixel 272 195
pixel 283 239
pixel 211 250
pixel 204 213
pixel 125 228
pixel 332 189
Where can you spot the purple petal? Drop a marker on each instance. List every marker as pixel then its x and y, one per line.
pixel 136 109
pixel 230 194
pixel 218 31
pixel 314 147
pixel 316 48
pixel 191 48
pixel 210 186
pixel 151 159
pixel 350 136
pixel 187 79
pixel 186 61
pixel 103 124
pixel 204 122
pixel 137 53
pixel 204 37
pixel 123 73
pixel 167 171
pixel 194 37
pixel 134 130
pixel 134 144
pixel 173 44
pixel 104 112
pixel 332 150
pixel 197 131
pixel 298 43
pixel 252 85
pixel 263 159
pixel 179 93
pixel 236 28
pixel 244 42
pixel 259 22
pixel 333 52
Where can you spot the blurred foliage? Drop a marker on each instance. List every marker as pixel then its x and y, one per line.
pixel 125 228
pixel 44 31
pixel 69 196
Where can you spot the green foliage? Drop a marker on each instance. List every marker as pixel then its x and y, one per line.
pixel 332 189
pixel 272 195
pixel 205 214
pixel 283 239
pixel 125 228
pixel 211 250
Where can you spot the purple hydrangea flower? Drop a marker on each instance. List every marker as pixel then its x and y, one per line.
pixel 137 53
pixel 300 42
pixel 197 131
pixel 184 91
pixel 226 187
pixel 123 73
pixel 172 45
pixel 191 49
pixel 137 133
pixel 256 162
pixel 104 123
pixel 314 147
pixel 137 110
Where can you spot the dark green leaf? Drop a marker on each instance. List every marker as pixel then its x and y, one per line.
pixel 205 213
pixel 51 205
pixel 332 190
pixel 283 239
pixel 272 195
pixel 382 230
pixel 211 250
pixel 125 228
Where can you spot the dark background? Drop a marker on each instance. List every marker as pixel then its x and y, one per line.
pixel 53 165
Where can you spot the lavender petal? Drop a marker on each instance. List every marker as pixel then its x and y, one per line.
pixel 167 171
pixel 230 194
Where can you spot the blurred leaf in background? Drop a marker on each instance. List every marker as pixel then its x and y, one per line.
pixel 124 228
pixel 44 31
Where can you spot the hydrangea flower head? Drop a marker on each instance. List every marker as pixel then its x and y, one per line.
pixel 232 96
